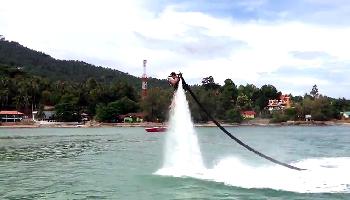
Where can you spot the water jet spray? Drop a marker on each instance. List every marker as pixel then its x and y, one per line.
pixel 174 80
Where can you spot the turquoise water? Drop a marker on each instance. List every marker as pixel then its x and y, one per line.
pixel 120 163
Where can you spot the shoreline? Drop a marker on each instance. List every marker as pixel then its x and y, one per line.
pixel 259 123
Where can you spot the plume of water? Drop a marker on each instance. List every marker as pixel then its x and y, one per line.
pixel 182 155
pixel 324 175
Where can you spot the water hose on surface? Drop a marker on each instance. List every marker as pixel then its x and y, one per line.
pixel 187 88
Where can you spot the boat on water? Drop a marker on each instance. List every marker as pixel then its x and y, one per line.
pixel 156 129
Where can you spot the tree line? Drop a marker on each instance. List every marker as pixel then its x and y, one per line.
pixel 106 101
pixel 31 80
pixel 226 102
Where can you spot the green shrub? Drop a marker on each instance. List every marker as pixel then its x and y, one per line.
pixel 233 116
pixel 278 117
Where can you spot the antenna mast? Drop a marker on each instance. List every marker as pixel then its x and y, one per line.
pixel 144 81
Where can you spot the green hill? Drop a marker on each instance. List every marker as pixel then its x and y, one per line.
pixel 40 64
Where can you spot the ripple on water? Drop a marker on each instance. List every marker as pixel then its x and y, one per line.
pixel 31 149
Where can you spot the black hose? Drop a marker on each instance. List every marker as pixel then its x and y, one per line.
pixel 187 88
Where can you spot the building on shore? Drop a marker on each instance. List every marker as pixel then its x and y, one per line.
pixel 345 115
pixel 132 117
pixel 11 116
pixel 249 114
pixel 279 104
pixel 308 118
pixel 46 114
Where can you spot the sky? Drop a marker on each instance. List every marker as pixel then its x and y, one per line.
pixel 291 44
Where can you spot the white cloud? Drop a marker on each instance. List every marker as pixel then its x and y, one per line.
pixel 198 44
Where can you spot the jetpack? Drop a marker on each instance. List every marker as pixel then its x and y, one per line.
pixel 174 80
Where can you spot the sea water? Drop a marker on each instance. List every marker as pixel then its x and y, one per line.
pixel 120 163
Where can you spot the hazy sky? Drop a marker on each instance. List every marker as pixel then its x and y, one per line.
pixel 289 44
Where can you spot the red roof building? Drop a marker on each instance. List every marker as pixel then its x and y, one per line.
pixel 279 104
pixel 249 114
pixel 11 116
pixel 5 112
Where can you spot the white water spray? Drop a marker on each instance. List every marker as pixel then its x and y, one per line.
pixel 182 156
pixel 324 175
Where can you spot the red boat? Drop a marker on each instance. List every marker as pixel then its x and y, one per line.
pixel 156 129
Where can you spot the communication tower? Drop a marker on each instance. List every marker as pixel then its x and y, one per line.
pixel 144 80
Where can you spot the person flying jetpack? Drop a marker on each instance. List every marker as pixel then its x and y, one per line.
pixel 174 79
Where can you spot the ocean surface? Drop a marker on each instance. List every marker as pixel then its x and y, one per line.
pixel 124 163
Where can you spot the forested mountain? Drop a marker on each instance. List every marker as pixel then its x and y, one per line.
pixel 40 64
pixel 31 80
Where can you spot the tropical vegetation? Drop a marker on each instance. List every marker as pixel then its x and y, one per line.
pixel 31 80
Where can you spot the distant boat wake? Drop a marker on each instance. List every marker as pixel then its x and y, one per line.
pixel 183 158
